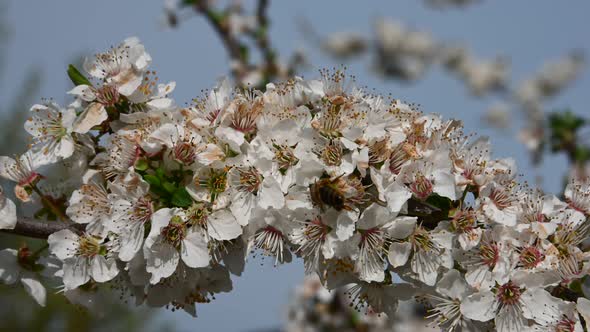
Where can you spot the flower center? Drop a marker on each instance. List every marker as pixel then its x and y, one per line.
pixel 379 152
pixel 197 215
pixel 285 157
pixel 509 293
pixel 463 221
pixel 489 254
pixel 422 187
pixel 422 240
pixel 329 124
pixel 142 210
pixel 245 116
pixel 530 257
pixel 216 183
pixel 107 95
pixel 184 153
pixel 565 325
pixel 331 154
pixel 175 232
pixel 250 180
pixel 397 159
pixel 88 246
pixel 271 241
pixel 212 116
pixel 501 198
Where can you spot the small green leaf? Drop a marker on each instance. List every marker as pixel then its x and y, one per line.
pixel 152 180
pixel 141 164
pixel 440 202
pixel 169 187
pixel 181 198
pixel 77 77
pixel 582 154
pixel 160 173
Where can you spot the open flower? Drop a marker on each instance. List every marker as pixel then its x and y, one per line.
pixel 51 127
pixel 22 171
pixel 509 305
pixel 85 257
pixel 122 66
pixel 171 238
pixel 21 266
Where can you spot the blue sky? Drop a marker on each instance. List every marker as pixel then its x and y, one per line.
pixel 49 34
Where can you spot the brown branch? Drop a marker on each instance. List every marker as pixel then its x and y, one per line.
pixel 232 45
pixel 262 40
pixel 41 229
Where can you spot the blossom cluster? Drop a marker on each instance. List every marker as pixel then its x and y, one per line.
pixel 165 202
pixel 312 307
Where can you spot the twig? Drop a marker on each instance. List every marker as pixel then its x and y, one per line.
pixel 41 229
pixel 262 40
pixel 232 45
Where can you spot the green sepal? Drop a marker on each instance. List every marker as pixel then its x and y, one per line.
pixel 77 77
pixel 181 198
pixel 141 164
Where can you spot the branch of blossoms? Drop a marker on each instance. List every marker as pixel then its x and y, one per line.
pixel 406 54
pixel 372 194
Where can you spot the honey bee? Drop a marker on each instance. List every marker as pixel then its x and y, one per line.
pixel 325 192
pixel 341 194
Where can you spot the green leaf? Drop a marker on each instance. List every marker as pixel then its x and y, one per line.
pixel 440 202
pixel 77 77
pixel 152 180
pixel 582 154
pixel 169 187
pixel 181 198
pixel 160 173
pixel 141 164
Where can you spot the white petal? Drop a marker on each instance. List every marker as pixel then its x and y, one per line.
pixel 399 252
pixel 63 244
pixel 133 240
pixel 94 115
pixel 425 265
pixel 129 82
pixel 242 207
pixel 444 184
pixel 161 261
pixel 480 306
pixel 75 272
pixel 271 195
pixel 583 307
pixel 7 213
pixel 194 251
pixel 402 227
pixel 222 225
pixel 453 285
pixel 161 103
pixel 160 219
pixel 538 304
pixel 345 225
pixel 6 164
pixel 396 196
pixel 103 270
pixel 234 138
pixel 374 216
pixel 510 319
pixel 83 91
pixel 35 289
pixel 168 134
pixel 65 147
